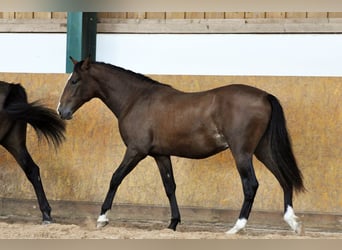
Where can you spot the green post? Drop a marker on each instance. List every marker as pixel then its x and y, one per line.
pixel 81 37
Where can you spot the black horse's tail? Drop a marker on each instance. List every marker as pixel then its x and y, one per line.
pixel 44 120
pixel 284 165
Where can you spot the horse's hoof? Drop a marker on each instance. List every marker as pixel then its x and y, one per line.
pixel 234 231
pixel 238 227
pixel 299 229
pixel 173 224
pixel 46 222
pixel 173 228
pixel 102 221
pixel 101 224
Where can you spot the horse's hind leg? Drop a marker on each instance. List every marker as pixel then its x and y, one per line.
pixel 15 143
pixel 250 185
pixel 289 215
pixel 263 155
pixel 165 169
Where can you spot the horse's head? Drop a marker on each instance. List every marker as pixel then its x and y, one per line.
pixel 77 90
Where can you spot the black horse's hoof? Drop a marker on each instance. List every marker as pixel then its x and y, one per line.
pixel 173 224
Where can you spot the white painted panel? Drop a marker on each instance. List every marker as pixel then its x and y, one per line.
pixel 32 53
pixel 214 54
pixel 288 55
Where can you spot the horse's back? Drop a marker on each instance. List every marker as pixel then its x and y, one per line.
pixel 239 90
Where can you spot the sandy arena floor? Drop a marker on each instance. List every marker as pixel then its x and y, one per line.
pixel 14 228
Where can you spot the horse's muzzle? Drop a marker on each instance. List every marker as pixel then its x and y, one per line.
pixel 65 114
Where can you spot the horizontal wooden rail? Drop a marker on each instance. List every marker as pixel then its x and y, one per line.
pixel 182 26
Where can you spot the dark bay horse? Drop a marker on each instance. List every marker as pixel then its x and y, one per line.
pixel 15 113
pixel 158 120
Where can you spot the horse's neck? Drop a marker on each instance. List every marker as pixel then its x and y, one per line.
pixel 118 90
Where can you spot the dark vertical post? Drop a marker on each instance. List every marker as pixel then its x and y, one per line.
pixel 81 37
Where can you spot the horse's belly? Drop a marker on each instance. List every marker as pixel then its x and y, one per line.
pixel 197 146
pixel 196 152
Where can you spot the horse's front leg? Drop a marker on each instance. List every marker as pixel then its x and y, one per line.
pixel 130 160
pixel 165 169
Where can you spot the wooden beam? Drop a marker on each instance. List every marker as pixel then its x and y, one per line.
pixel 175 15
pixel 33 25
pixel 317 14
pixel 223 26
pixel 23 15
pixel 234 15
pixel 214 15
pixel 59 15
pixel 275 14
pixel 295 15
pixel 7 15
pixel 42 15
pixel 136 15
pixel 255 14
pixel 181 26
pixel 194 15
pixel 155 15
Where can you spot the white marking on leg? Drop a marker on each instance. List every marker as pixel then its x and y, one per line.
pixel 291 219
pixel 103 218
pixel 239 225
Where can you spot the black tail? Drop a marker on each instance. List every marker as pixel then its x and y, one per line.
pixel 287 171
pixel 44 120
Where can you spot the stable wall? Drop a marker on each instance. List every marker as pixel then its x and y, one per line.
pixel 81 169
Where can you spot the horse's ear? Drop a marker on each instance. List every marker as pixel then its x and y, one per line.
pixel 73 60
pixel 86 63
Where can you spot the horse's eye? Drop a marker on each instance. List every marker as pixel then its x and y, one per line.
pixel 75 81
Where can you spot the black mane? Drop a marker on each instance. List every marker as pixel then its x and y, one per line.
pixel 132 73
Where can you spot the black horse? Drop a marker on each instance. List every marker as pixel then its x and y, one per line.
pixel 15 113
pixel 158 120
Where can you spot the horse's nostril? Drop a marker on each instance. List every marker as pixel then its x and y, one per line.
pixel 60 112
pixel 65 115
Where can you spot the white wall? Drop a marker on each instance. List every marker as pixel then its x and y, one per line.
pixel 36 53
pixel 287 55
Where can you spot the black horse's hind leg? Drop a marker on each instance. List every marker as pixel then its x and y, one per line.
pixel 131 159
pixel 165 169
pixel 250 186
pixel 263 154
pixel 15 143
pixel 265 157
